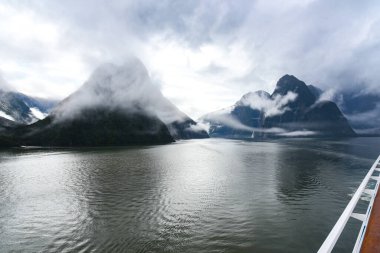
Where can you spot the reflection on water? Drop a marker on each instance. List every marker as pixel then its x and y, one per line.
pixel 194 196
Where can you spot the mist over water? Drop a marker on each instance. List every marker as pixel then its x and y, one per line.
pixel 193 196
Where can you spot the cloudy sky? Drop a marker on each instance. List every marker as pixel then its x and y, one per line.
pixel 204 55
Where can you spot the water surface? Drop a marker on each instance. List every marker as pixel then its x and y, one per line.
pixel 193 196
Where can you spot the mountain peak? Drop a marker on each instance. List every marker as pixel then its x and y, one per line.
pixel 259 93
pixel 289 77
pixel 128 65
pixel 111 78
pixel 124 86
pixel 250 96
pixel 289 83
pixel 126 89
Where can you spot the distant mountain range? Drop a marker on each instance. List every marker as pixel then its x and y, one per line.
pixel 293 109
pixel 22 109
pixel 118 105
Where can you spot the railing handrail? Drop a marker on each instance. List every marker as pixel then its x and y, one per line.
pixel 363 229
pixel 335 233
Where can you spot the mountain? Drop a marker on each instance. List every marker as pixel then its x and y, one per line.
pixel 6 124
pixel 306 113
pixel 118 105
pixel 96 127
pixel 317 92
pixel 23 109
pixel 360 107
pixel 325 118
pixel 129 87
pixel 296 108
pixel 362 111
pixel 291 110
pixel 289 83
pixel 238 120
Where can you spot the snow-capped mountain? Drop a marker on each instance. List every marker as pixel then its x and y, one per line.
pixel 23 109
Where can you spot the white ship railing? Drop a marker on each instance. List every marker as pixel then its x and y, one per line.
pixel 333 236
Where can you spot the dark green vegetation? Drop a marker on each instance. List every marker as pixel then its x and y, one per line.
pixel 182 129
pixel 95 127
pixel 7 124
pixel 7 140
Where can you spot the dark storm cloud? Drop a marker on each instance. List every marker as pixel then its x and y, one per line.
pixel 328 43
pixel 195 22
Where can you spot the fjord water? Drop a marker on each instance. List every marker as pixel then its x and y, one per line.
pixel 193 196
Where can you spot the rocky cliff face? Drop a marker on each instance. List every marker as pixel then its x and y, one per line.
pixel 291 108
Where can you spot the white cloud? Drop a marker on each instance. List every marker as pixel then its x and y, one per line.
pixel 3 84
pixel 33 59
pixel 219 119
pixel 328 95
pixel 50 48
pixel 181 72
pixel 298 134
pixel 270 106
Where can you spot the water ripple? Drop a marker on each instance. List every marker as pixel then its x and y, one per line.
pixel 196 196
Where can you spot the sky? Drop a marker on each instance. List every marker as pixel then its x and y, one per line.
pixel 203 55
